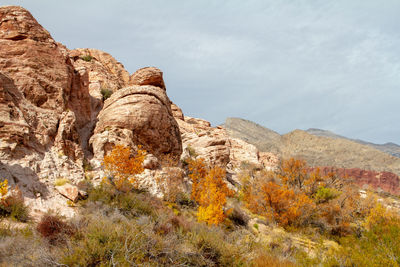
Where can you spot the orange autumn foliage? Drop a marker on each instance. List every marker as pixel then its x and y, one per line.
pixel 209 190
pixel 278 202
pixel 297 195
pixel 123 166
pixel 293 172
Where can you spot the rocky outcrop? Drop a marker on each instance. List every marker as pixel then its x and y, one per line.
pixel 148 76
pixel 200 139
pixel 30 56
pixel 138 115
pixel 105 73
pixel 242 152
pixel 269 160
pixel 44 102
pixel 214 145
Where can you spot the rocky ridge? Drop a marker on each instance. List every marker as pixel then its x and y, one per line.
pixel 389 148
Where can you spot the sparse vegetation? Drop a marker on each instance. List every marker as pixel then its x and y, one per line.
pixel 61 181
pixel 87 58
pixel 106 93
pixel 12 204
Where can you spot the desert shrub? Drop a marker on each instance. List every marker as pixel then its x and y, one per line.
pixel 263 259
pixel 122 166
pixel 379 245
pixel 325 194
pixel 238 216
pixel 104 242
pixel 191 151
pixel 16 209
pixel 209 190
pixel 86 164
pixel 20 250
pixel 213 247
pixel 54 229
pixel 131 204
pixel 12 204
pixel 61 181
pixel 106 93
pixel 87 58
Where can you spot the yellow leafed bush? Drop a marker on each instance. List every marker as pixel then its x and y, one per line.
pixel 209 190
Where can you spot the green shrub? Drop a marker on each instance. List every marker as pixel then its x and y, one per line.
pixel 61 181
pixel 324 194
pixel 192 152
pixel 86 164
pixel 379 246
pixel 131 204
pixel 106 93
pixel 87 58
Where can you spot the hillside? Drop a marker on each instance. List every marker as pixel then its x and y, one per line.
pixel 317 150
pixel 263 138
pixel 389 148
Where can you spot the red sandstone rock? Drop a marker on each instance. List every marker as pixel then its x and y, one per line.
pixel 69 191
pixel 33 60
pixel 385 181
pixel 148 76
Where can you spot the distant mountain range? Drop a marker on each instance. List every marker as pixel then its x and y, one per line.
pixel 390 148
pixel 318 147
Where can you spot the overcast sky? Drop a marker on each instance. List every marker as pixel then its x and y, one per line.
pixel 286 65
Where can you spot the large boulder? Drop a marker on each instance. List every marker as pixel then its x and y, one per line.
pixel 148 76
pixel 138 115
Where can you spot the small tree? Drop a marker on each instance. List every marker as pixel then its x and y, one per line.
pixel 122 166
pixel 209 190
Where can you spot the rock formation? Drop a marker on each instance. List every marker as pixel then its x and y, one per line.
pixel 215 146
pixel 148 76
pixel 44 101
pixel 105 73
pixel 138 115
